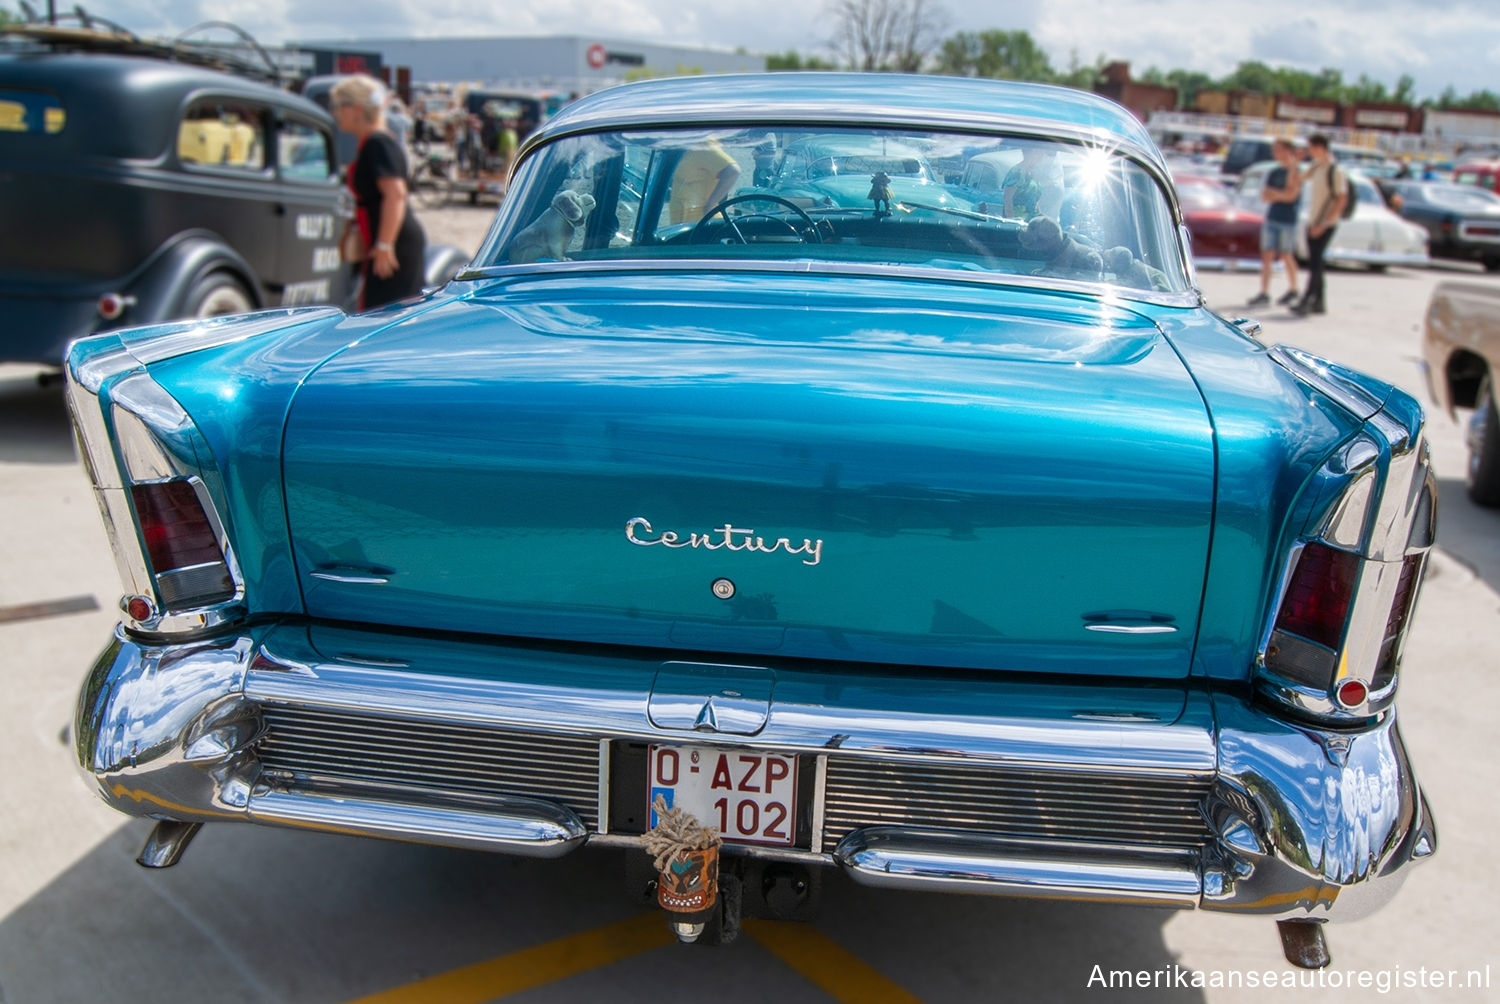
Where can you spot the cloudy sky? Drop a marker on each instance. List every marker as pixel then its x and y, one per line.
pixel 1439 42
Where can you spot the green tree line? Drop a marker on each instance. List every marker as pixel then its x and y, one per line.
pixel 1015 55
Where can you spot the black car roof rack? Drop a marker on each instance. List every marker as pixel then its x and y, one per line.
pixel 79 31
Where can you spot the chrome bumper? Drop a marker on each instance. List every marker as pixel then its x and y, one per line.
pixel 1287 821
pixel 1354 256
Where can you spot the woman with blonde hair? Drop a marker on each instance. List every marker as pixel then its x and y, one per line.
pixel 393 244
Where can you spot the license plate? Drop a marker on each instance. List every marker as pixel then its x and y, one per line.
pixel 749 797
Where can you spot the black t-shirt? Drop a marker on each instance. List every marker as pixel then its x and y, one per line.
pixel 380 156
pixel 1279 212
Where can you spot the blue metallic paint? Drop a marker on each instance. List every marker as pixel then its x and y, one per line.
pixel 489 459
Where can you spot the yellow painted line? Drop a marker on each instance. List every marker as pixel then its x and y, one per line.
pixel 533 967
pixel 829 966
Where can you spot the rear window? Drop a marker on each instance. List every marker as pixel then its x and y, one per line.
pixel 223 133
pixel 1063 210
pixel 1483 179
pixel 31 112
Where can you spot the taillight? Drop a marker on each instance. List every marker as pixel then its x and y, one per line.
pixel 112 305
pixel 1316 605
pixel 181 544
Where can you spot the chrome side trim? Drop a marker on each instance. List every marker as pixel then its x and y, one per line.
pixel 168 341
pixel 908 858
pixel 1313 371
pixel 1131 629
pixel 525 826
pixel 351 578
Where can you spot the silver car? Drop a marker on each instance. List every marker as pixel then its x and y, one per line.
pixel 1373 236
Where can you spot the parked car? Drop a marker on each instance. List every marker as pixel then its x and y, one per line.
pixel 931 546
pixel 1373 236
pixel 1223 234
pixel 1483 174
pixel 1462 221
pixel 153 188
pixel 1244 151
pixel 150 188
pixel 1460 352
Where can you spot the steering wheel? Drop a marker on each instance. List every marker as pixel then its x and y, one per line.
pixel 811 233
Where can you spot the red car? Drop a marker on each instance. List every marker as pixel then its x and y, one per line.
pixel 1224 235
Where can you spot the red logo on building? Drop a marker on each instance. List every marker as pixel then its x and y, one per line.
pixel 597 56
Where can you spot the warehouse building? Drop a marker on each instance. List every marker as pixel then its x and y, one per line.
pixel 569 63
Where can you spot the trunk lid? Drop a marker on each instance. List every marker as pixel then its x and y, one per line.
pixel 805 466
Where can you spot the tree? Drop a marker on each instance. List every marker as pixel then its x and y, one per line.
pixel 1366 91
pixel 1189 83
pixel 794 60
pixel 1478 101
pixel 886 34
pixel 1003 55
pixel 1406 90
pixel 1082 75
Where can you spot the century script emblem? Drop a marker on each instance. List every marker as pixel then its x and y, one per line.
pixel 638 531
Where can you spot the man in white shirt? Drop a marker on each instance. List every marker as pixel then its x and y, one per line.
pixel 1328 193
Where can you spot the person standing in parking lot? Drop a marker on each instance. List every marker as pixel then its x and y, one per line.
pixel 1278 235
pixel 394 244
pixel 1328 192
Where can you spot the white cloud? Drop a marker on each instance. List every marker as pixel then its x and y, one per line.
pixel 1440 42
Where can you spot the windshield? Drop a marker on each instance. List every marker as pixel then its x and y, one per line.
pixel 1463 199
pixel 888 197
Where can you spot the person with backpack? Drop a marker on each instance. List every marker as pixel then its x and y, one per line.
pixel 1328 195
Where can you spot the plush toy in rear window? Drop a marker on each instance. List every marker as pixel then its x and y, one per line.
pixel 550 235
pixel 1063 256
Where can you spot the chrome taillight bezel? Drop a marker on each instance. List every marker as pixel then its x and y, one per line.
pixel 132 432
pixel 1384 516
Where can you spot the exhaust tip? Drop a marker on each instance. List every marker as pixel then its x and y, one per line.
pixel 1303 943
pixel 168 839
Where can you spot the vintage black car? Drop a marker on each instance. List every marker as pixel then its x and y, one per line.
pixel 1462 221
pixel 145 188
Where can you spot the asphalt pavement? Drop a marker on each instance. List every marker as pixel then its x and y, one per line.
pixel 262 915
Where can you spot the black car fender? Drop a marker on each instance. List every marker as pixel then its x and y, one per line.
pixel 164 287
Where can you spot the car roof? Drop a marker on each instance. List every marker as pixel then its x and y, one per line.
pixel 127 106
pixel 898 100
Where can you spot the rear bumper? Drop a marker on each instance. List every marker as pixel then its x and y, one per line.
pixel 1050 790
pixel 1355 256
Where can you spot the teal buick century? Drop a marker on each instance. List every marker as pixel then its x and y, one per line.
pixel 954 545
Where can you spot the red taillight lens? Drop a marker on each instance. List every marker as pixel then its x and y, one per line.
pixel 1317 599
pixel 174 525
pixel 188 565
pixel 112 306
pixel 1351 693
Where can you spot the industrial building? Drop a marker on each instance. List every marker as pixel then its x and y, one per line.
pixel 568 63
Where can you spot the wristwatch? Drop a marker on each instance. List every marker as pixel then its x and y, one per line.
pixel 384 246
